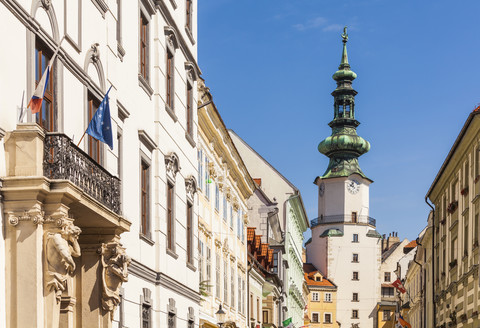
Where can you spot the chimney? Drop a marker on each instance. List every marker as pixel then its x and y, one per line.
pixel 383 242
pixel 392 239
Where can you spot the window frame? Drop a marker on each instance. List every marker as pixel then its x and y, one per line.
pixel 94 147
pixel 325 317
pixel 170 208
pixel 190 233
pixel 355 276
pixel 313 317
pixel 41 50
pixel 328 297
pixel 145 196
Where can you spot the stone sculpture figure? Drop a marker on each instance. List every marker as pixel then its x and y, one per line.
pixel 60 248
pixel 115 264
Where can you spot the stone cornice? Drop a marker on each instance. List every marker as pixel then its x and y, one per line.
pixel 142 271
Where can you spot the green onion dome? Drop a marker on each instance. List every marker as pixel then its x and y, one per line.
pixel 344 143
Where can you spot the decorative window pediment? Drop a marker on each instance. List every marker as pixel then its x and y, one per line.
pixel 191 186
pixel 172 164
pixel 171 37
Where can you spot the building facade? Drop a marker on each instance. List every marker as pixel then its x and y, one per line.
pixel 123 219
pixel 455 229
pixel 224 188
pixel 392 252
pixel 344 235
pixel 322 299
pixel 293 222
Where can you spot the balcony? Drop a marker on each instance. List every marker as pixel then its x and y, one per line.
pixel 328 219
pixel 63 160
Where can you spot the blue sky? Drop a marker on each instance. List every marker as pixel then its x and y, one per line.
pixel 269 65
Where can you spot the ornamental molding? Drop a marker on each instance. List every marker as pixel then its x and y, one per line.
pixel 115 264
pixel 245 218
pixel 172 164
pixel 204 229
pixel 228 193
pixel 60 246
pixel 218 243
pixel 241 267
pixel 95 52
pixel 225 247
pixel 36 217
pixel 191 74
pixel 191 186
pixel 171 37
pixel 233 258
pixel 46 4
pixel 212 172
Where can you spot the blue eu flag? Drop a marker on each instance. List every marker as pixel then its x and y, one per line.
pixel 100 126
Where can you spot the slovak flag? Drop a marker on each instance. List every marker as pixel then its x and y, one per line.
pixel 36 102
pixel 401 323
pixel 398 285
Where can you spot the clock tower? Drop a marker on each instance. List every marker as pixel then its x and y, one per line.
pixel 345 245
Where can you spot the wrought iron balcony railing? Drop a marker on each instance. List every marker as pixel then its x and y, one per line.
pixel 64 160
pixel 343 218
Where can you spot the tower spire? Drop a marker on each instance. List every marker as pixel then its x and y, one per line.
pixel 344 146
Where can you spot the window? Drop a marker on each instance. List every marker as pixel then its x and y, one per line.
pixel 217 276
pixel 207 177
pixel 224 208
pixel 354 314
pixel 355 297
pixel 217 198
pixel 240 293
pixel 275 262
pixel 258 309
pixel 354 217
pixel 146 308
pixel 251 306
pixel 465 238
pixel 387 292
pixel 243 296
pixel 232 287
pixel 188 15
pixel 355 258
pixel 231 217
pixel 189 113
pixel 453 249
pixel 171 320
pixel 145 199
pixel 355 275
pixel 170 217
pixel 189 233
pixel 328 297
pixel 265 317
pixel 475 230
pixel 387 276
pixel 315 297
pixel 225 281
pixel 169 83
pixel 386 315
pixel 238 224
pixel 144 47
pixel 200 260
pixel 94 146
pixel 209 265
pixel 47 117
pixel 146 315
pixel 314 317
pixel 327 318
pixel 200 169
pixel 355 238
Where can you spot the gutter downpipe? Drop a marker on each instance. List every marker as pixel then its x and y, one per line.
pixel 434 308
pixel 250 266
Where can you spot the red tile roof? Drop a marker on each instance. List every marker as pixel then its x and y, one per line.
pixel 411 244
pixel 250 233
pixel 264 250
pixel 310 270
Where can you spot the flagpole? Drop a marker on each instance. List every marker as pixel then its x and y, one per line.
pixel 78 145
pixel 56 51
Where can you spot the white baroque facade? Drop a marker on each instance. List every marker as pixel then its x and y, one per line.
pixel 147 51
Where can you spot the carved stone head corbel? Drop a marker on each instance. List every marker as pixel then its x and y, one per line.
pixel 115 264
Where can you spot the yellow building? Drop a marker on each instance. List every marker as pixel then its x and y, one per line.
pixel 455 195
pixel 322 299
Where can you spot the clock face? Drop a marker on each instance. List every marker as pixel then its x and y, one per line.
pixel 353 186
pixel 321 189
